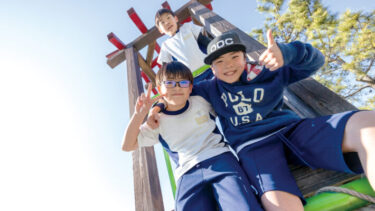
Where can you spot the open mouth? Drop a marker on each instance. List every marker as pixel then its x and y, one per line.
pixel 230 73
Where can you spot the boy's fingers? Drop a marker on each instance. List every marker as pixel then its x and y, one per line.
pixel 263 56
pixel 266 61
pixel 270 39
pixel 149 88
pixel 156 98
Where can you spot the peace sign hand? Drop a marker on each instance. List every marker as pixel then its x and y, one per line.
pixel 144 102
pixel 272 58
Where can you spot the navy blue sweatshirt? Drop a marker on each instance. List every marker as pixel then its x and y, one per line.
pixel 249 109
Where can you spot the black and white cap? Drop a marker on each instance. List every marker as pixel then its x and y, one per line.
pixel 227 42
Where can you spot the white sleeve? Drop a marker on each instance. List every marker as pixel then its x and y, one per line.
pixel 164 56
pixel 147 136
pixel 195 29
pixel 206 105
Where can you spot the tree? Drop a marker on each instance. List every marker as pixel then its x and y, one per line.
pixel 347 41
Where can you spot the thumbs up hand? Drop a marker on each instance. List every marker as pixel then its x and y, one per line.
pixel 272 58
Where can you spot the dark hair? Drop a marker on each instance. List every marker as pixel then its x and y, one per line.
pixel 173 70
pixel 161 12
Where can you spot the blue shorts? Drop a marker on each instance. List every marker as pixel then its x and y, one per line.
pixel 315 142
pixel 218 182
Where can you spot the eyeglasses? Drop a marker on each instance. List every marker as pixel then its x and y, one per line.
pixel 171 84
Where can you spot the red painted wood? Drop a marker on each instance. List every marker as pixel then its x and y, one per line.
pixel 138 22
pixel 154 63
pixel 147 80
pixel 209 6
pixel 166 5
pixel 140 25
pixel 116 41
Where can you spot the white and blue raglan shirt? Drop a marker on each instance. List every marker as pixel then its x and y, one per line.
pixel 183 47
pixel 189 135
pixel 251 108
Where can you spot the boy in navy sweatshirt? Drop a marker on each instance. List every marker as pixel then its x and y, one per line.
pixel 249 106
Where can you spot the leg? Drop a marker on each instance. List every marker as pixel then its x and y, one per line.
pixel 359 136
pixel 266 166
pixel 193 193
pixel 230 185
pixel 280 200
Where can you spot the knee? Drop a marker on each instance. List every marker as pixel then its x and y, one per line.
pixel 359 129
pixel 362 119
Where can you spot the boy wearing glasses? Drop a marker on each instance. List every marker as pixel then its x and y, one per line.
pixel 208 174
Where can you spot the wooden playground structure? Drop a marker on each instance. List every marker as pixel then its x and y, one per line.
pixel 307 98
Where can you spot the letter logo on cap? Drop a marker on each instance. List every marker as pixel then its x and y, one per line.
pixel 222 43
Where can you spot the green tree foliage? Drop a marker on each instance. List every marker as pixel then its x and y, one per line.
pixel 347 40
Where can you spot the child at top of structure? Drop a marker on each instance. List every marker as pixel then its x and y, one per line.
pixel 249 106
pixel 185 44
pixel 208 173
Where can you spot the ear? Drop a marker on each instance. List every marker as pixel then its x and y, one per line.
pixel 213 70
pixel 161 31
pixel 159 89
pixel 190 88
pixel 176 19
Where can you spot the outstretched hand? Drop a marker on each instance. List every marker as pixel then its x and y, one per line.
pixel 144 102
pixel 272 58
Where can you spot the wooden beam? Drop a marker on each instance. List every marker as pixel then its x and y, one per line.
pixel 112 53
pixel 153 33
pixel 150 53
pixel 166 5
pixel 216 25
pixel 307 98
pixel 147 189
pixel 146 69
pixel 322 100
pixel 116 41
pixel 116 58
pixel 140 25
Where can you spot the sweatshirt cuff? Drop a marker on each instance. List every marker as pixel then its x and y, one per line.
pixel 289 51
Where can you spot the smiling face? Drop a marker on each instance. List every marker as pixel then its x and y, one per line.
pixel 229 67
pixel 177 96
pixel 167 24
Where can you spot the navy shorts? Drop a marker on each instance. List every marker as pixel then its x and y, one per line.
pixel 218 182
pixel 315 142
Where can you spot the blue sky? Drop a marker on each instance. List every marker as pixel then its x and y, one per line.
pixel 63 110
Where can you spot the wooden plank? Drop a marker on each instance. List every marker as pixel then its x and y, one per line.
pixel 309 180
pixel 116 58
pixel 150 53
pixel 301 97
pixel 138 22
pixel 320 98
pixel 146 69
pixel 147 189
pixel 116 41
pixel 112 53
pixel 294 103
pixel 216 25
pixel 166 5
pixel 153 33
pixel 140 25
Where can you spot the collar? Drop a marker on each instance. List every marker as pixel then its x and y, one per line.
pixel 182 110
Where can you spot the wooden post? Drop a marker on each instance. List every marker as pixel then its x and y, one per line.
pixel 147 189
pixel 307 98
